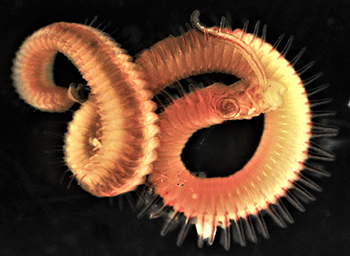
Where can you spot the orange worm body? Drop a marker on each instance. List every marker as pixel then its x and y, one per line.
pixel 267 176
pixel 270 86
pixel 109 152
pixel 195 53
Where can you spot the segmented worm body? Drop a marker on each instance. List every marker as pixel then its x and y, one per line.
pixel 110 142
pixel 269 84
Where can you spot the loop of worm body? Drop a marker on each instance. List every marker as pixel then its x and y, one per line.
pixel 111 142
pixel 270 85
pixel 212 202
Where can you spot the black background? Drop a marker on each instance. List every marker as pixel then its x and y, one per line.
pixel 39 216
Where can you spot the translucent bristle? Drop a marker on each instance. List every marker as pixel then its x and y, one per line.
pixel 225 238
pixel 287 47
pixel 275 217
pixel 169 224
pixel 309 183
pixel 249 229
pixel 293 201
pixel 317 89
pixel 312 79
pixel 237 233
pixel 297 57
pixel 279 40
pixel 305 68
pixel 184 231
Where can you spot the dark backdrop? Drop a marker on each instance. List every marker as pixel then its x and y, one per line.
pixel 40 216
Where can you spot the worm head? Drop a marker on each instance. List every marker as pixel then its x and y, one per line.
pixel 227 106
pixel 225 101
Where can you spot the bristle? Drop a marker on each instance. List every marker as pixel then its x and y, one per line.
pixel 200 223
pixel 297 57
pixel 326 129
pixel 261 225
pixel 58 163
pixel 142 197
pixel 213 232
pixel 249 229
pixel 159 102
pixel 287 47
pixel 263 35
pixel 64 174
pixel 70 181
pixel 256 29
pixel 184 231
pixel 237 233
pixel 279 40
pixel 200 241
pixel 120 202
pixel 168 224
pixel 317 148
pixel 314 103
pixel 315 171
pixel 317 89
pixel 182 30
pixel 317 152
pixel 169 98
pixel 193 87
pixel 320 158
pixel 305 68
pixel 276 217
pixel 180 89
pixel 309 183
pixel 225 238
pixel 54 134
pixel 311 79
pixel 245 27
pixel 130 201
pixel 162 210
pixel 295 202
pixel 92 21
pixel 57 149
pixel 302 194
pixel 106 26
pixel 282 210
pixel 224 23
pixel 323 113
pixel 148 207
pixel 99 25
pixel 189 26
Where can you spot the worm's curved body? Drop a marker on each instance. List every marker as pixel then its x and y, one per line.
pixel 103 161
pixel 271 86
